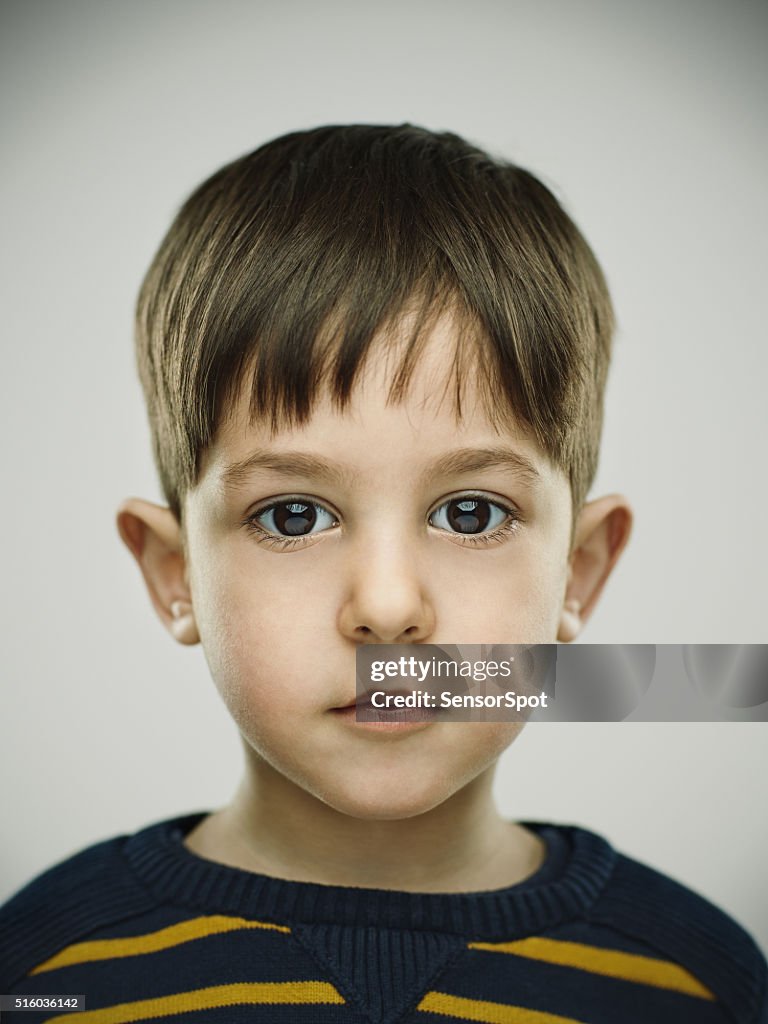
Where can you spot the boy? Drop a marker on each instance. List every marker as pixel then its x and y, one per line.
pixel 374 362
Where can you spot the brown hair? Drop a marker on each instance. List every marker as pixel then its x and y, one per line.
pixel 286 263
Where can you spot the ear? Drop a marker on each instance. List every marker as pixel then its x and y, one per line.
pixel 602 530
pixel 153 536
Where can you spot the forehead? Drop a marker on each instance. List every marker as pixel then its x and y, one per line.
pixel 439 423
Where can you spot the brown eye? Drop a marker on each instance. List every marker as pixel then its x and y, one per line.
pixel 470 515
pixel 294 519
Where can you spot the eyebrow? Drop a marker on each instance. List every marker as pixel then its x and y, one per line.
pixel 472 460
pixel 286 464
pixel 463 460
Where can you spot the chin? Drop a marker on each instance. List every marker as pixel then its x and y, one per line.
pixel 391 800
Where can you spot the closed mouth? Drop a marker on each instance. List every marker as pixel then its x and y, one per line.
pixel 364 702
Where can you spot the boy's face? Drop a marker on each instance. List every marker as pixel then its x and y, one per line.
pixel 381 524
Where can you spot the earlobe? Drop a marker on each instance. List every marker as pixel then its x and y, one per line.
pixel 601 534
pixel 570 621
pixel 183 625
pixel 153 536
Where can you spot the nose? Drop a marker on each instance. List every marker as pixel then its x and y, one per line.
pixel 387 600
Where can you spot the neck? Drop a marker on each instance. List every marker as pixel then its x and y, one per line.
pixel 274 827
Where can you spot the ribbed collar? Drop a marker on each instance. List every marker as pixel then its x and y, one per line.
pixel 577 867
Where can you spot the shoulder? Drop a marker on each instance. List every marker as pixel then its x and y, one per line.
pixel 682 926
pixel 85 892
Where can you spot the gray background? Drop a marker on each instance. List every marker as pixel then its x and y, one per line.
pixel 645 118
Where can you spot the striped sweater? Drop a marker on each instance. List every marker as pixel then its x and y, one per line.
pixel 146 930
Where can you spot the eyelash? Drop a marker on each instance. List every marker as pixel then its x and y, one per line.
pixel 277 542
pixel 509 527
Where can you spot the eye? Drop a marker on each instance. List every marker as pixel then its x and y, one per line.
pixel 293 518
pixel 471 515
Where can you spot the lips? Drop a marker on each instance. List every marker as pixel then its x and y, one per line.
pixel 360 714
pixel 353 704
pixel 365 702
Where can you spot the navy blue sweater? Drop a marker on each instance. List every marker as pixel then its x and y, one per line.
pixel 148 931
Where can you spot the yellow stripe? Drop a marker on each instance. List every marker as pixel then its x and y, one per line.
pixel 488 1013
pixel 136 945
pixel 290 992
pixel 610 962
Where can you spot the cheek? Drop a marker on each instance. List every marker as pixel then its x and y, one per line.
pixel 513 598
pixel 262 635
